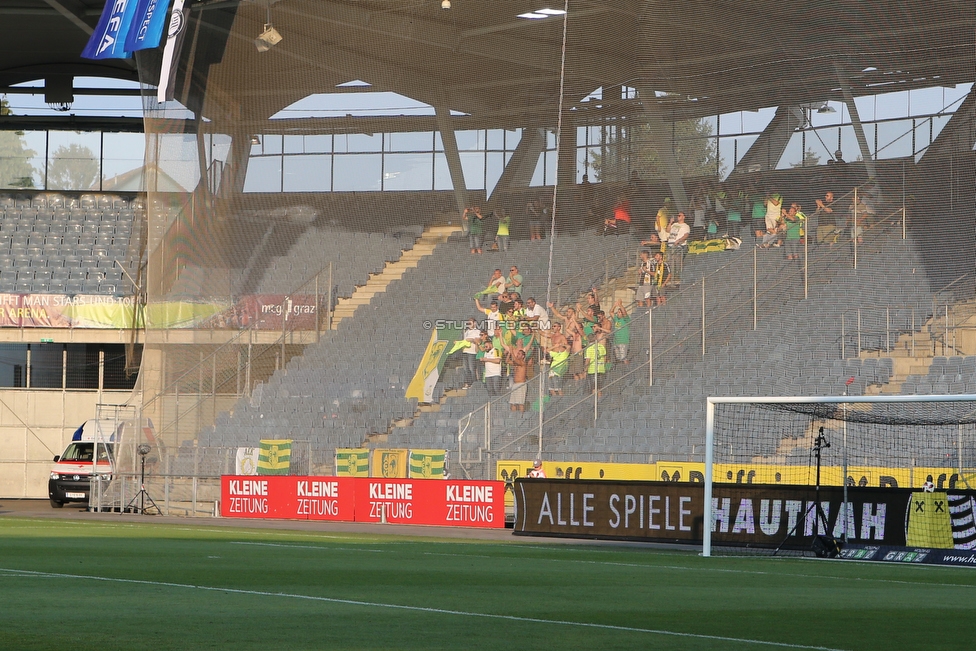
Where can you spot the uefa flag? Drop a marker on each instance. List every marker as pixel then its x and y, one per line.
pixel 427 464
pixel 352 462
pixel 274 457
pixel 148 22
pixel 108 39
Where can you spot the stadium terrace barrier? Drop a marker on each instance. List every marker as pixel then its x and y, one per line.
pixel 745 515
pixel 436 502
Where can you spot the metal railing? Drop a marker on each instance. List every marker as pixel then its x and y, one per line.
pixel 682 330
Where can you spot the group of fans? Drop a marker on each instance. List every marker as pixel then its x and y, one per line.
pixel 519 339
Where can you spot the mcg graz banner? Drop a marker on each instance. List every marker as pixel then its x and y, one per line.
pixel 744 514
pixel 443 502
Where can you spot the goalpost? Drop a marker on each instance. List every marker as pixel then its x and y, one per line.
pixel 762 451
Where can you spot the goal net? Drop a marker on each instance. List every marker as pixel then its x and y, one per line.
pixel 820 474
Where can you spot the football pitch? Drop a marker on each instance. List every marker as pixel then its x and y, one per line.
pixel 72 584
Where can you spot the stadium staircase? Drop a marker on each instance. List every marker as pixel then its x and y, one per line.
pixel 395 270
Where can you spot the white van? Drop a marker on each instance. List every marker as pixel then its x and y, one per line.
pixel 91 451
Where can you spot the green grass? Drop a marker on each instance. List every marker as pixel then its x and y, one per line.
pixel 97 585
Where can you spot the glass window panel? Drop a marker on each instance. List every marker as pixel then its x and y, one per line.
pixel 954 96
pixel 869 133
pixel 817 144
pixel 438 142
pixel 512 139
pixel 938 123
pixel 122 153
pixel 593 155
pixel 13 365
pixel 114 375
pixel 923 128
pixel 263 174
pixel 793 154
pixel 410 141
pixel 45 366
pixel 318 144
pixel 727 152
pixel 357 172
pixel 307 173
pixel 469 140
pixel 355 143
pixel 756 121
pixel 848 144
pixel 22 159
pixel 496 165
pixel 294 145
pixel 541 174
pixel 442 174
pixel 582 164
pixel 925 101
pixel 551 139
pixel 73 162
pixel 894 139
pixel 892 105
pixel 82 369
pixel 271 143
pixel 865 107
pixel 408 171
pixel 495 139
pixel 473 164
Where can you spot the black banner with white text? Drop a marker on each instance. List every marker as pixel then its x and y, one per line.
pixel 744 514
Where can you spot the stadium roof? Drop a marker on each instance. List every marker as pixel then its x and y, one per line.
pixel 479 57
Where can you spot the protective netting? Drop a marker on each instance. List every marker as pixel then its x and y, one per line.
pixel 311 218
pixel 879 443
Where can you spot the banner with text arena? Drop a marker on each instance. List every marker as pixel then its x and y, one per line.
pixel 357 499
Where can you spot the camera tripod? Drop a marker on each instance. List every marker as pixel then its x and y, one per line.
pixel 143 495
pixel 822 544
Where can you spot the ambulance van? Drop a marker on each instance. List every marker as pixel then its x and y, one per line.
pixel 91 451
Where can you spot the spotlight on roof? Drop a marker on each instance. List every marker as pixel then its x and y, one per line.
pixel 445 4
pixel 826 108
pixel 267 39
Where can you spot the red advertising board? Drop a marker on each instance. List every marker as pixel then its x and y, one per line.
pixel 401 501
pixel 287 497
pixel 432 502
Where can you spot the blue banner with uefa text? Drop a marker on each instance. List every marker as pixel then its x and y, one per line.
pixel 108 39
pixel 146 29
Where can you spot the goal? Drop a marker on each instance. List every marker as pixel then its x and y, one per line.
pixel 822 473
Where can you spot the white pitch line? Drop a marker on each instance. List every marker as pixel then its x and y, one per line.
pixel 436 611
pixel 317 547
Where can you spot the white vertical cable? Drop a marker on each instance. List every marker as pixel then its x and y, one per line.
pixel 552 213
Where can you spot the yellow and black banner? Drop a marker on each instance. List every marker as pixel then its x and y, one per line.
pixel 352 462
pixel 274 457
pixel 389 464
pixel 427 464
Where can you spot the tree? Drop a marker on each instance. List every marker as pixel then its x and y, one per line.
pixel 15 168
pixel 74 167
pixel 810 159
pixel 633 149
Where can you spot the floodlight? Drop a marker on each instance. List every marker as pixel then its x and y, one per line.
pixel 267 39
pixel 445 4
pixel 143 449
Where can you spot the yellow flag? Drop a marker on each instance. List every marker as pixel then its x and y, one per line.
pixel 389 464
